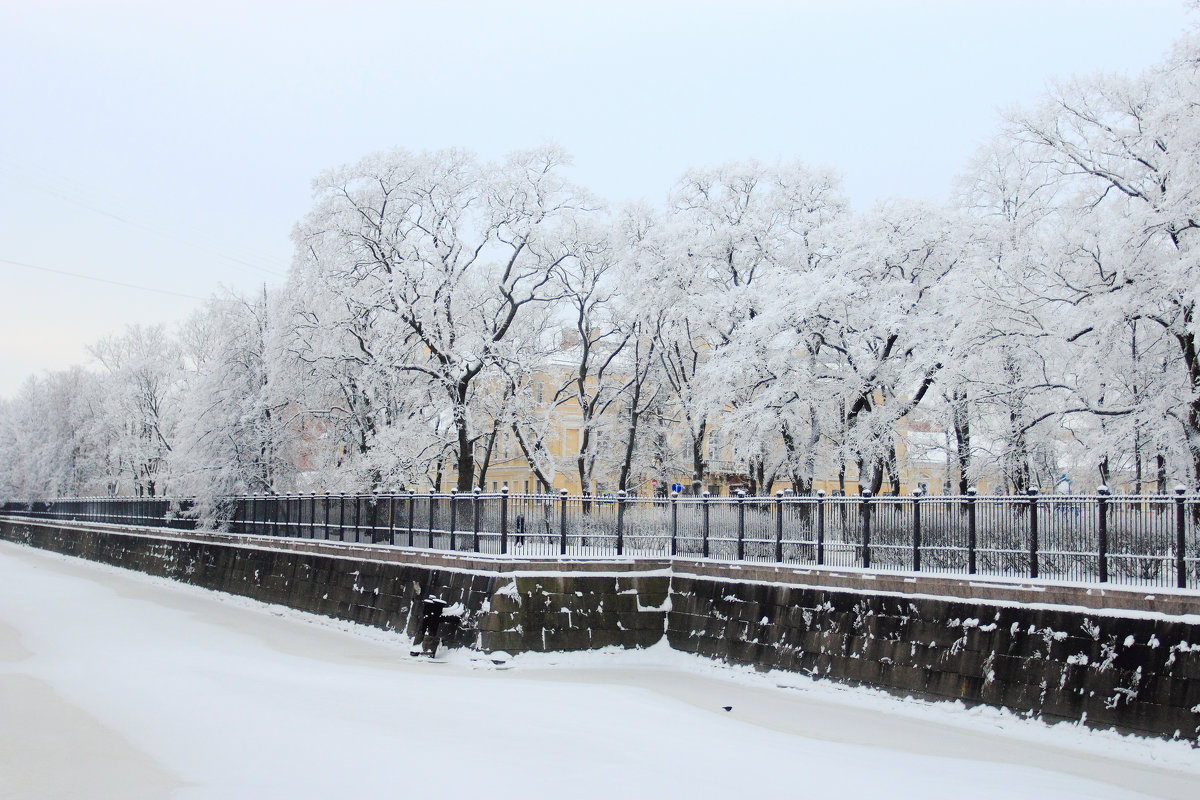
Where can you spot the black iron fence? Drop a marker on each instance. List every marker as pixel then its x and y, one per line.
pixel 1149 540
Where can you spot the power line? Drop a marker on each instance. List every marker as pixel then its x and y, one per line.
pixel 98 280
pixel 61 191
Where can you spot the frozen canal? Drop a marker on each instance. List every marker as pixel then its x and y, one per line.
pixel 113 684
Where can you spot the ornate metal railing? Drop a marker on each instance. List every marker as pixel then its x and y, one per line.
pixel 1148 540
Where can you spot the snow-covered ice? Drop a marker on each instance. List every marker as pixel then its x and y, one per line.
pixel 115 684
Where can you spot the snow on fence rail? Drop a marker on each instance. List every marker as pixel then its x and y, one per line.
pixel 1149 540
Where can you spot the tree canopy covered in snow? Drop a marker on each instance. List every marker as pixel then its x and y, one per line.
pixel 440 308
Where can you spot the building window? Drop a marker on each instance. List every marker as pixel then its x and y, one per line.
pixel 714 446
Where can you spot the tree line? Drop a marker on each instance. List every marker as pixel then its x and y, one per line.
pixel 1042 322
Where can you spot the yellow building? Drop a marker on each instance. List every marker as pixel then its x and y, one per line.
pixel 921 454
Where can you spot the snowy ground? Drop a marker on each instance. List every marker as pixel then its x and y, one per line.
pixel 114 684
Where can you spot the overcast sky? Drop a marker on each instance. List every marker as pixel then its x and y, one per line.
pixel 171 145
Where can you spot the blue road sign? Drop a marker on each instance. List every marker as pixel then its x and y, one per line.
pixel 676 488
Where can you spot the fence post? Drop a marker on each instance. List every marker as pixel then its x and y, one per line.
pixel 392 519
pixel 820 527
pixel 1102 532
pixel 453 516
pixel 704 524
pixel 432 506
pixel 562 521
pixel 412 510
pixel 916 531
pixel 674 523
pixel 325 520
pixel 865 513
pixel 357 518
pixel 971 538
pixel 475 519
pixel 312 515
pixel 342 516
pixel 503 520
pixel 1032 491
pixel 374 516
pixel 741 525
pixel 779 527
pixel 1180 539
pixel 621 522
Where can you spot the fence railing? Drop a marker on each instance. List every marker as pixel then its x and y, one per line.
pixel 1147 540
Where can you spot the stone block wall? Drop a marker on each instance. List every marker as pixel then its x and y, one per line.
pixel 575 611
pixel 500 611
pixel 1133 672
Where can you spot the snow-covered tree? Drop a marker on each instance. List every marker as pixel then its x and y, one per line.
pixel 1130 149
pixel 237 433
pixel 434 260
pixel 140 389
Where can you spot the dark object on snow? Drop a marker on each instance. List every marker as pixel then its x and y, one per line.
pixel 727 708
pixel 427 639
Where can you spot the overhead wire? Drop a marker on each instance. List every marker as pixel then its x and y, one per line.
pixel 54 185
pixel 98 279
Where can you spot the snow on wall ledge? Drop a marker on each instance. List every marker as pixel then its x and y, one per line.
pixel 605 604
pixel 1134 670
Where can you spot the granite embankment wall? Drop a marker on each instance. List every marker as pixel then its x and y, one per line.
pixel 504 605
pixel 1108 657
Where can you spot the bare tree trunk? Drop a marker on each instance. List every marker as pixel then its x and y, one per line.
pixel 698 465
pixel 802 479
pixel 893 471
pixel 962 440
pixel 877 471
pixel 465 462
pixel 1137 462
pixel 533 462
pixel 487 455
